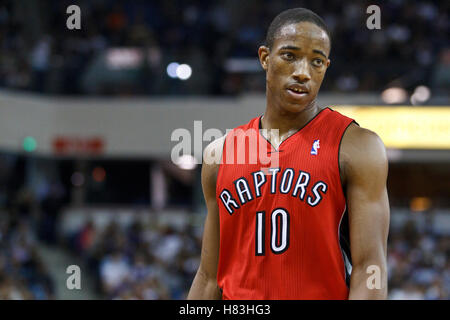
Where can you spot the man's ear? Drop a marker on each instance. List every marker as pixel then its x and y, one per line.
pixel 328 63
pixel 263 53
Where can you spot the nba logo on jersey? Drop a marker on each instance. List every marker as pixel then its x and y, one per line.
pixel 315 147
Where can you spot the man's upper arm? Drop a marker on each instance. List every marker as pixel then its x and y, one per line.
pixel 211 233
pixel 365 168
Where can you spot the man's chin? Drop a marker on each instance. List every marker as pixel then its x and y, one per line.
pixel 297 106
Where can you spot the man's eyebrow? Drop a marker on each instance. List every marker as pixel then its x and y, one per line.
pixel 289 47
pixel 320 52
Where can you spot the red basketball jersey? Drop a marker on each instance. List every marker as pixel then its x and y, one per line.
pixel 284 227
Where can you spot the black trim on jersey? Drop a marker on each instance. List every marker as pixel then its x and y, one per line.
pixel 263 240
pixel 291 180
pixel 344 242
pixel 344 230
pixel 242 194
pixel 315 198
pixel 339 154
pixel 281 228
pixel 260 128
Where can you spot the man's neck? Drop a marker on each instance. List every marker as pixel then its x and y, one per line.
pixel 287 122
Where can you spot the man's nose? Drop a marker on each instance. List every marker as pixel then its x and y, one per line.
pixel 302 73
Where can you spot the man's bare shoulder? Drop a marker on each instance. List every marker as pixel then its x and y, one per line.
pixel 362 149
pixel 212 154
pixel 211 159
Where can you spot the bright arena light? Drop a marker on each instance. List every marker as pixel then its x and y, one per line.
pixel 394 95
pixel 184 71
pixel 186 162
pixel 421 94
pixel 172 69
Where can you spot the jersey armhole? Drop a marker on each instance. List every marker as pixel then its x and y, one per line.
pixel 339 158
pixel 343 239
pixel 219 169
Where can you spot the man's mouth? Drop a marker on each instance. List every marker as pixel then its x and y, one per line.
pixel 297 91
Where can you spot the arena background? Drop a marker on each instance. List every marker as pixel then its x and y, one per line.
pixel 87 116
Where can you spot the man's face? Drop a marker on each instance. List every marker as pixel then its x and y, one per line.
pixel 295 65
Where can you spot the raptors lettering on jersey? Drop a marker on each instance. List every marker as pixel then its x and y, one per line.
pixel 247 191
pixel 284 228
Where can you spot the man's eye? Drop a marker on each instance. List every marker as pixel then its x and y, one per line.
pixel 288 55
pixel 318 62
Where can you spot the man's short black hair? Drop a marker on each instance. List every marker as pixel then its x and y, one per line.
pixel 295 15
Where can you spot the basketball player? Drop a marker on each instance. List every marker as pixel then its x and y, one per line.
pixel 315 226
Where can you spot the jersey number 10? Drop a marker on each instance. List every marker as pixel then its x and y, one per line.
pixel 279 231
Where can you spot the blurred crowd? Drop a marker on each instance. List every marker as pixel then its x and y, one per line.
pixel 23 273
pixel 418 265
pixel 140 261
pixel 38 52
